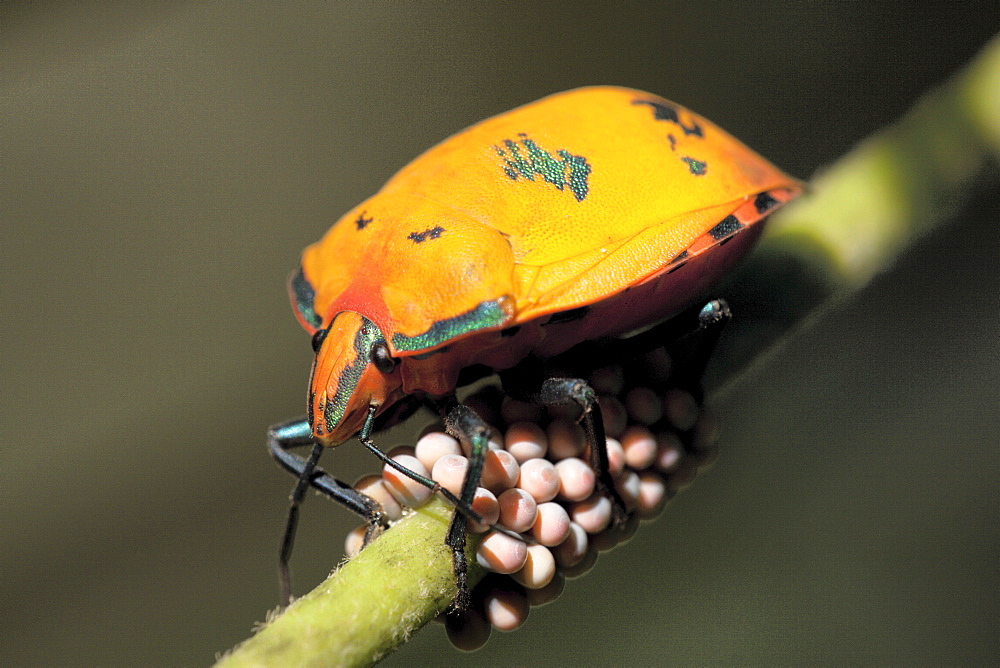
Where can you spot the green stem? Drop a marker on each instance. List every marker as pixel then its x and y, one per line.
pixel 371 604
pixel 861 213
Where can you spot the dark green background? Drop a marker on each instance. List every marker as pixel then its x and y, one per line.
pixel 161 167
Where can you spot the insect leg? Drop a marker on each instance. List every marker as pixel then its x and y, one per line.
pixel 463 423
pixel 690 337
pixel 693 351
pixel 365 437
pixel 699 324
pixel 296 433
pixel 522 382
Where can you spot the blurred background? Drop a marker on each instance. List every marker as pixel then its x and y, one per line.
pixel 164 164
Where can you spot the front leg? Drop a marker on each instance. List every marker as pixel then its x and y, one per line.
pixel 281 438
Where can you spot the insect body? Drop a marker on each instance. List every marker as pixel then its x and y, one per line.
pixel 586 214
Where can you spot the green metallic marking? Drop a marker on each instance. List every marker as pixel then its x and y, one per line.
pixel 550 169
pixel 509 165
pixel 697 167
pixel 527 159
pixel 305 297
pixel 484 316
pixel 579 170
pixel 368 334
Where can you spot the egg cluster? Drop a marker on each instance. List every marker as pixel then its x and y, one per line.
pixel 536 482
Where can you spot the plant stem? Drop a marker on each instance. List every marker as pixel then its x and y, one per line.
pixel 862 212
pixel 371 604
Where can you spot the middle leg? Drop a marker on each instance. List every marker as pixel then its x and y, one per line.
pixel 524 382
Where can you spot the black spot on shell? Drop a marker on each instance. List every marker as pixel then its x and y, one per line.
pixel 362 222
pixel 726 227
pixel 667 112
pixel 764 202
pixel 420 237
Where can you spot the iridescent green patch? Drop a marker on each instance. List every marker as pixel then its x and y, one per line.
pixel 305 297
pixel 486 315
pixel 697 167
pixel 526 159
pixel 368 334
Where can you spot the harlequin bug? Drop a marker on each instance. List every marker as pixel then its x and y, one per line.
pixel 585 215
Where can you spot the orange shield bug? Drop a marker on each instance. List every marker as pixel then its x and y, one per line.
pixel 585 215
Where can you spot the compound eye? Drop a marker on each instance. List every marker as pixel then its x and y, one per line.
pixel 381 358
pixel 318 338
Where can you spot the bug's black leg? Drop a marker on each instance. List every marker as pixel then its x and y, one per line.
pixel 690 336
pixel 463 423
pixel 365 437
pixel 522 382
pixel 699 327
pixel 693 351
pixel 296 433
